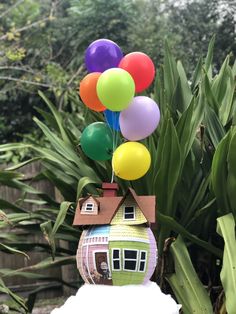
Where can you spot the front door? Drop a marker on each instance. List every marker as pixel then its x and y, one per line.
pixel 102 268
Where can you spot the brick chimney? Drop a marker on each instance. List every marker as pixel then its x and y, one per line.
pixel 110 189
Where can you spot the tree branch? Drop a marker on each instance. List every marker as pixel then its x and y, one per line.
pixel 10 8
pixel 68 85
pixel 16 69
pixel 24 28
pixel 22 69
pixel 74 75
pixel 34 24
pixel 9 78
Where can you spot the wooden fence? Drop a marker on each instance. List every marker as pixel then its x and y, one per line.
pixel 10 261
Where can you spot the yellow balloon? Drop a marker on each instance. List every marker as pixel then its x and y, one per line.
pixel 131 161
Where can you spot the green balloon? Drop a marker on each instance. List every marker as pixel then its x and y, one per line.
pixel 96 141
pixel 115 89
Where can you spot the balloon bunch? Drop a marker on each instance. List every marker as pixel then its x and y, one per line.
pixel 110 87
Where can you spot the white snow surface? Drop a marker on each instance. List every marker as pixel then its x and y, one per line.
pixel 129 299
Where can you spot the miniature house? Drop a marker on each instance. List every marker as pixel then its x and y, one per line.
pixel 117 247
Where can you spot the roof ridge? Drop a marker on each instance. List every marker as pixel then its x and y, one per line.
pixel 83 199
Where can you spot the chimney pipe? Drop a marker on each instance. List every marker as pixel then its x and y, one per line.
pixel 110 189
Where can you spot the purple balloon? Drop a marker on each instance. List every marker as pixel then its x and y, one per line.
pixel 102 54
pixel 140 119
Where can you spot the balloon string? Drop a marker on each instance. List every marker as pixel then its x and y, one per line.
pixel 114 132
pixel 112 176
pixel 116 137
pixel 114 117
pixel 113 142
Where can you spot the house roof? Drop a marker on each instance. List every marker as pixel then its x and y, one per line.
pixel 108 207
pixel 82 200
pixel 147 204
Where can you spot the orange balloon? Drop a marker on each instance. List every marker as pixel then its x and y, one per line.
pixel 88 92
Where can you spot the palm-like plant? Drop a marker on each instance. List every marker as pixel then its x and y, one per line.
pixel 193 175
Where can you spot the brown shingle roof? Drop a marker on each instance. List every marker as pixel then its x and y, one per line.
pixel 108 207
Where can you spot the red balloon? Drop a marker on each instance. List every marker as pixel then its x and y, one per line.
pixel 140 67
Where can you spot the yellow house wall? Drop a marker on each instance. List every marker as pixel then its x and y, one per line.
pixel 118 219
pixel 125 232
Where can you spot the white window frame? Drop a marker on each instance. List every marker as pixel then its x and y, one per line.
pixel 129 213
pixel 130 259
pixel 142 260
pixel 116 259
pixel 89 210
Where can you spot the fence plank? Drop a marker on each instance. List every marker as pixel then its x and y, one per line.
pixel 15 262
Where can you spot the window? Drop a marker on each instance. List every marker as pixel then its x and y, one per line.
pixel 89 207
pixel 130 259
pixel 129 213
pixel 116 259
pixel 134 260
pixel 142 261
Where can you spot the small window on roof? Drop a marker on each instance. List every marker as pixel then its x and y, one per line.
pixel 129 213
pixel 89 207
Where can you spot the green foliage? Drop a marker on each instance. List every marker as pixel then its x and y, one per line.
pixel 195 22
pixel 43 44
pixel 192 172
pixel 106 20
pixel 34 55
pixel 224 173
pixel 226 228
pixel 185 283
pixel 18 300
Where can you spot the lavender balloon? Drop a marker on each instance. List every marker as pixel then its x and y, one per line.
pixel 102 54
pixel 140 119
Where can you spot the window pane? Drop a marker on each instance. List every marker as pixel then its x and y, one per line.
pixel 129 209
pixel 142 266
pixel 116 264
pixel 130 265
pixel 143 255
pixel 116 254
pixel 89 206
pixel 130 254
pixel 129 216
